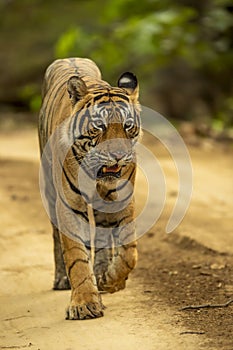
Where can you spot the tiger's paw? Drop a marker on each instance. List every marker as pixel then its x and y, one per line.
pixel 110 286
pixel 85 311
pixel 61 283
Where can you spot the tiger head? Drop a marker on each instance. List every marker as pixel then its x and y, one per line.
pixel 105 126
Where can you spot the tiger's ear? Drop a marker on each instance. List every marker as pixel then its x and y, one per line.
pixel 77 89
pixel 129 82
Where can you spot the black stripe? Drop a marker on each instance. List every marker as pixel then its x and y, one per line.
pixel 87 244
pixel 88 104
pixel 75 123
pixel 83 118
pixel 98 97
pixel 72 186
pixel 122 186
pixel 112 224
pixel 124 218
pixel 131 174
pixel 75 154
pixel 110 95
pixel 126 247
pixel 116 189
pixel 83 281
pixel 120 96
pixel 125 262
pixel 123 239
pixel 83 137
pixel 75 262
pixel 78 212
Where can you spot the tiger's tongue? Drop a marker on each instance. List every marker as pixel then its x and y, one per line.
pixel 111 169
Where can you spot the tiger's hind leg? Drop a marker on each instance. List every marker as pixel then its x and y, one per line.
pixel 61 281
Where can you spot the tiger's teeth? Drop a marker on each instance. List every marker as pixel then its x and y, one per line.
pixel 104 169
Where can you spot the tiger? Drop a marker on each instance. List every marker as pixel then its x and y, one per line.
pixel 98 126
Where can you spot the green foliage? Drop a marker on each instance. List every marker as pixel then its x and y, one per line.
pixel 153 39
pixel 152 34
pixel 31 97
pixel 146 36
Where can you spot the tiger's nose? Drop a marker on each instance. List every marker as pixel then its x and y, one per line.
pixel 117 155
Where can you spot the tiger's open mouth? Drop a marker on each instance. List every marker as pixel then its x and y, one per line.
pixel 114 170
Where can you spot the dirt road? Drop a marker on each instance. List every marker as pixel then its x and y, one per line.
pixel 191 266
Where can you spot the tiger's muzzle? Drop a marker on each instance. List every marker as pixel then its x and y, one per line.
pixel 114 170
pixel 114 164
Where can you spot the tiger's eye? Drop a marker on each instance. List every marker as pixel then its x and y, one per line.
pixel 99 125
pixel 128 124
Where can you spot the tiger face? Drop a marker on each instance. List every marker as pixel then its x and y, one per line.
pixel 105 127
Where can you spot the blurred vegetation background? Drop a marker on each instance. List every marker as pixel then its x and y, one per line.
pixel 180 50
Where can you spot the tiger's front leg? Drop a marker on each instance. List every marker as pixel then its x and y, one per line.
pixel 123 263
pixel 124 258
pixel 85 299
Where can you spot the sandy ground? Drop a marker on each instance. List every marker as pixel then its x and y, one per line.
pixel 191 266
